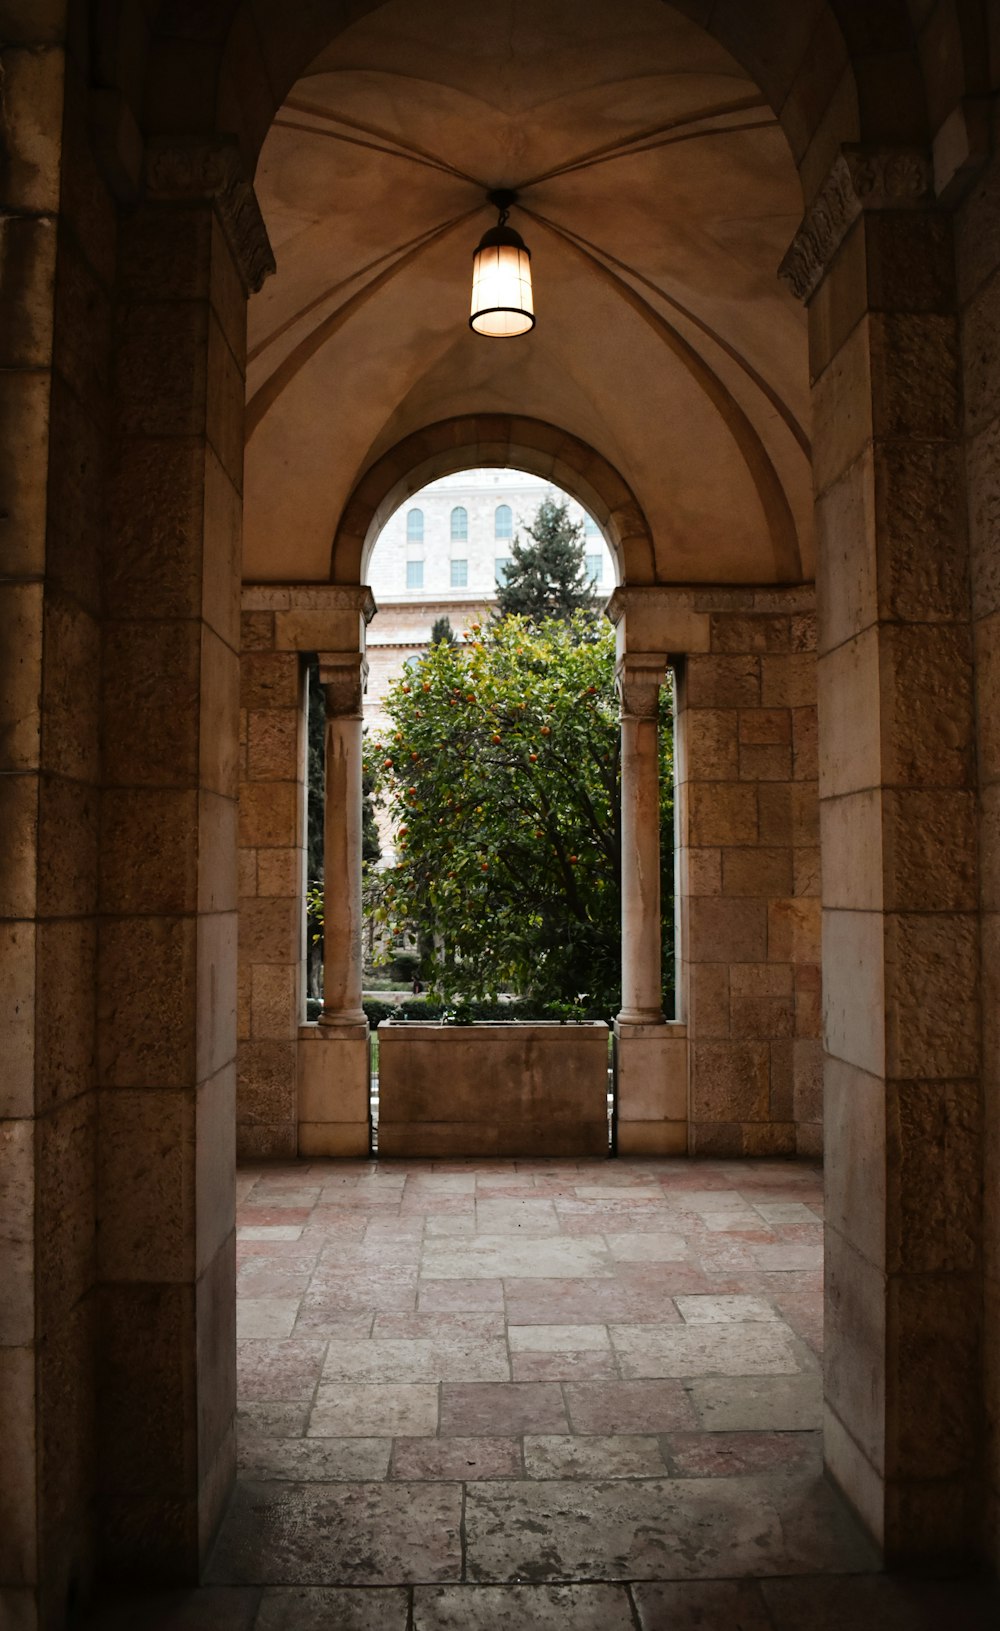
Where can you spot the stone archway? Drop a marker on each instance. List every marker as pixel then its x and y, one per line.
pixel 466 442
pixel 906 1080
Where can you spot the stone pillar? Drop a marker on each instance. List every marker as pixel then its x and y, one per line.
pixel 904 1424
pixel 978 261
pixel 58 256
pixel 342 676
pixel 166 1007
pixel 334 1076
pixel 301 1087
pixel 650 1055
pixel 271 891
pixel 638 679
pixel 748 885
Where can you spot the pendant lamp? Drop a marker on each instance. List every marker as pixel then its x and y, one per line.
pixel 502 306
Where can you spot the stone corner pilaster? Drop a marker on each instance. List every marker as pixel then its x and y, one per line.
pixel 861 178
pixel 180 171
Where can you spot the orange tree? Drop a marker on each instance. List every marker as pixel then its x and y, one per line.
pixel 500 768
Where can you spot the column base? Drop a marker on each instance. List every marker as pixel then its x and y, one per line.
pixel 651 1087
pixel 334 1090
pixel 341 1017
pixel 640 1016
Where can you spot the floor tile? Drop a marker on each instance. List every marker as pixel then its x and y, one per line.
pixel 722 1310
pixel 496 1257
pixel 658 1247
pixel 416 1360
pixel 629 1407
pixel 332 1608
pixel 312 1460
pixel 557 1338
pixel 248 1231
pixel 355 1534
pixel 266 1316
pixel 695 1605
pixel 285 1370
pixel 564 1367
pixel 521 1608
pixel 360 1410
pixel 704 1350
pixel 729 1455
pixel 473 1410
pixel 459 1296
pixel 268 1420
pixel 579 1456
pixel 787 1404
pixel 655 1529
pixel 457 1458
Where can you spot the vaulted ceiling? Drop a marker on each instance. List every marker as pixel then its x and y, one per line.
pixel 657 195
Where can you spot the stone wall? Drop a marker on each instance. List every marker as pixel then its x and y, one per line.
pixel 271 884
pixel 747 821
pixel 55 330
pixel 978 264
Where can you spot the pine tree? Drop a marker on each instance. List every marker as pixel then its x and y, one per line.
pixel 547 576
pixel 441 629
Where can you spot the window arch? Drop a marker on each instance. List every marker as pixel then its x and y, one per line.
pixel 414 526
pixel 459 524
pixel 503 522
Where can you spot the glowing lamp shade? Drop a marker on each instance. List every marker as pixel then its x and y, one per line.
pixel 501 285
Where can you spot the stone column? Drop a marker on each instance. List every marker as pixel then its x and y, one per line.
pixel 897 769
pixel 638 679
pixel 342 676
pixel 166 1005
pixel 650 1055
pixel 334 1114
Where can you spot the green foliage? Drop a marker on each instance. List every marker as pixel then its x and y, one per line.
pixel 547 576
pixel 441 629
pixel 500 768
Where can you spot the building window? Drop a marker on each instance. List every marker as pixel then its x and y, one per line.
pixel 595 568
pixel 590 527
pixel 414 526
pixel 414 574
pixel 459 524
pixel 459 574
pixel 501 566
pixel 503 522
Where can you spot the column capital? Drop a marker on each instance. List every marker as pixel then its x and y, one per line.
pixel 212 170
pixel 343 676
pixel 861 178
pixel 638 678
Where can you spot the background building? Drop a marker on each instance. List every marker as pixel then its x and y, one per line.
pixel 442 555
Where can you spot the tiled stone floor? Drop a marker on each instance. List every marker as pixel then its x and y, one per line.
pixel 536 1394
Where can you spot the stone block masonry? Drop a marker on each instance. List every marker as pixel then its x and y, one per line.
pixel 748 850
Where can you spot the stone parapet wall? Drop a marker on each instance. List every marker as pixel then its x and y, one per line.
pixel 748 837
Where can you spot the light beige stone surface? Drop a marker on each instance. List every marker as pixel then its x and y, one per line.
pixel 492 1089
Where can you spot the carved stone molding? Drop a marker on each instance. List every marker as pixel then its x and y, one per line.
pixel 343 676
pixel 309 597
pixel 638 678
pixel 178 172
pixel 861 179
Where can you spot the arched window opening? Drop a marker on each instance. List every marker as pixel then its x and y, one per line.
pixel 503 522
pixel 415 527
pixel 459 524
